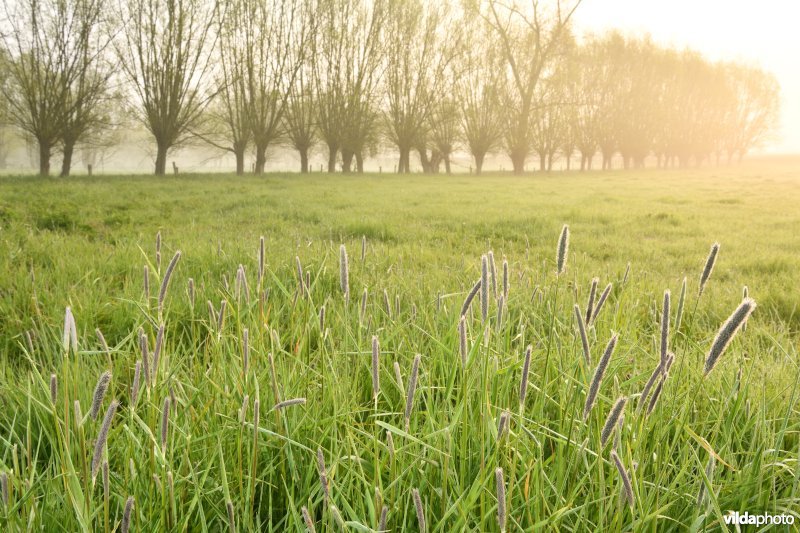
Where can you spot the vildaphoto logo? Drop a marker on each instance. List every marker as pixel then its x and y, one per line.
pixel 745 518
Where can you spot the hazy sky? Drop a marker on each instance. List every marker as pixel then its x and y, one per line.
pixel 761 31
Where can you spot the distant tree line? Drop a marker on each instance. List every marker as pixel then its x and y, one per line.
pixel 352 77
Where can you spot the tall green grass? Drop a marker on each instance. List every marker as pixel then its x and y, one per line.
pixel 204 447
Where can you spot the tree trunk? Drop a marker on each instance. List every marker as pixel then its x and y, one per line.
pixel 347 160
pixel 359 162
pixel 239 153
pixel 261 159
pixel 66 162
pixel 568 161
pixel 518 161
pixel 332 152
pixel 542 161
pixel 44 158
pixel 403 166
pixel 303 160
pixel 161 158
pixel 447 164
pixel 479 157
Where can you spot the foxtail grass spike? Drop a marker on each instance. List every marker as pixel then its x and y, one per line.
pixel 709 267
pixel 289 403
pixel 4 488
pixel 376 352
pixel 657 393
pixel 99 393
pixel 383 519
pixel 301 283
pixel 398 375
pixel 590 303
pixel 363 306
pixel 363 248
pixel 501 498
pixel 423 528
pixel 387 307
pixel 597 379
pixel 53 388
pixel 587 356
pixel 137 376
pixel 412 386
pixel 526 366
pixel 102 340
pixel 601 302
pixel 323 474
pixel 626 480
pixel 157 350
pixel 727 332
pixel 307 519
pixel 659 370
pixel 562 251
pixel 502 425
pixel 102 437
pixel 469 298
pixel 145 356
pixel 146 282
pixel 613 418
pixel 162 293
pixel 681 302
pixel 126 515
pixel 231 516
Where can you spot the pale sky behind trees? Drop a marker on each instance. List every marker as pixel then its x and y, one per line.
pixel 764 32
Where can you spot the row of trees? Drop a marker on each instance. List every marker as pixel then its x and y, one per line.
pixel 354 76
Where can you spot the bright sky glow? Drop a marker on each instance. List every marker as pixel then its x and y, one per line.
pixel 765 32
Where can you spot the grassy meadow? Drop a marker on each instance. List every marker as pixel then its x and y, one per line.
pixel 200 445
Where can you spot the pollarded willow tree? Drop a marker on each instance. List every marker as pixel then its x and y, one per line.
pixel 57 73
pixel 421 44
pixel 529 36
pixel 165 50
pixel 347 67
pixel 277 36
pixel 300 117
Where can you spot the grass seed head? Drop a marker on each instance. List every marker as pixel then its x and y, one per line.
pixel 590 303
pixel 126 515
pixel 376 351
pixel 467 300
pixel 709 266
pixel 727 331
pixel 587 356
pixel 419 510
pixel 102 437
pixel 307 519
pixel 613 418
pixel 526 365
pixel 162 292
pixel 501 498
pixel 563 250
pixel 412 386
pixel 597 379
pixel 626 480
pixel 53 388
pixel 99 393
